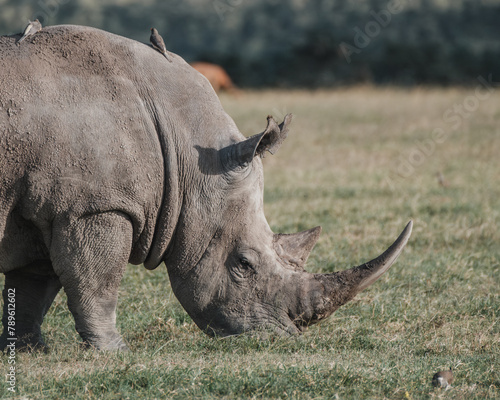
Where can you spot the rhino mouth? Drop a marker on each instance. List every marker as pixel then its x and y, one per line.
pixel 285 323
pixel 262 322
pixel 288 328
pixel 277 321
pixel 276 328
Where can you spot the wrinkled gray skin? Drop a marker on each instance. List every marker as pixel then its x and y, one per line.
pixel 109 155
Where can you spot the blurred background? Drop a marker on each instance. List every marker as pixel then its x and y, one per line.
pixel 300 43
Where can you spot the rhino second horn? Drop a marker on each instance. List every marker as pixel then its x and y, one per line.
pixel 296 247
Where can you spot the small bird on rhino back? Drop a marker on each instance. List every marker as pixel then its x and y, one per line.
pixel 158 43
pixel 442 379
pixel 32 28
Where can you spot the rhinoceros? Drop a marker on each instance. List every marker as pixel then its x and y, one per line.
pixel 110 155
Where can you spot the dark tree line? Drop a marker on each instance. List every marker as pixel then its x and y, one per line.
pixel 301 43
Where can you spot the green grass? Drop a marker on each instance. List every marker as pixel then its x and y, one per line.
pixel 340 168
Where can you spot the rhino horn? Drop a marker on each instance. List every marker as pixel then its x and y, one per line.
pixel 295 248
pixel 327 292
pixel 366 274
pixel 242 153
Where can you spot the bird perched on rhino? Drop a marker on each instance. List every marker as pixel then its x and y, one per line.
pixel 442 379
pixel 32 28
pixel 158 43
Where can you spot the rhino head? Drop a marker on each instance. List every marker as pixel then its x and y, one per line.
pixel 249 278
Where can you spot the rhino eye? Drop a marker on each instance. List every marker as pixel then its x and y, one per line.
pixel 245 263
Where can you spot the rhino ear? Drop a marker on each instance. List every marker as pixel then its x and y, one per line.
pixel 295 248
pixel 242 153
pixel 274 135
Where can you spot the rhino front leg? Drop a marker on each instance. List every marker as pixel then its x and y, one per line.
pixel 27 296
pixel 89 255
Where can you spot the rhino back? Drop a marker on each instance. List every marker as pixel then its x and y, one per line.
pixel 80 120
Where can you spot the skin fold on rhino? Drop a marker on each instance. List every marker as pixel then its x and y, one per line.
pixel 110 155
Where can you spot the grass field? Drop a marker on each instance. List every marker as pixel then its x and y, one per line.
pixel 361 163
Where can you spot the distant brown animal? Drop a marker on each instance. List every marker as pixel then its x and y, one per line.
pixel 216 75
